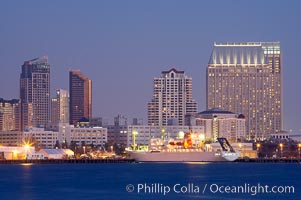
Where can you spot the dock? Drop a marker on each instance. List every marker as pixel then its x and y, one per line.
pixel 269 160
pixel 67 161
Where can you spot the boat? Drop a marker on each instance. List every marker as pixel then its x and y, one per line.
pixel 162 150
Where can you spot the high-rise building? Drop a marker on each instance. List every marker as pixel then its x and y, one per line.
pixel 54 110
pixel 35 91
pixel 60 107
pixel 246 78
pixel 10 113
pixel 172 99
pixel 80 96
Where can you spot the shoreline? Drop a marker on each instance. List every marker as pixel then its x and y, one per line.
pixel 66 161
pixel 98 161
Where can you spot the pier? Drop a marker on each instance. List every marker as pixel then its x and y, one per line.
pixel 269 160
pixel 67 161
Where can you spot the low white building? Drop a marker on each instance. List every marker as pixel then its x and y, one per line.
pixel 144 133
pixel 10 138
pixel 67 133
pixel 45 139
pixel 86 135
pixel 56 153
pixel 16 153
pixel 221 123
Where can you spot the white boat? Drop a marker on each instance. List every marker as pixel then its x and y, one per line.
pixel 160 151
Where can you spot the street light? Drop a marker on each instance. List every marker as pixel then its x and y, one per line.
pixel 134 133
pixel 163 133
pixel 281 149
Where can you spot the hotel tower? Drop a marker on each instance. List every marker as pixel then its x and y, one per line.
pixel 80 87
pixel 172 99
pixel 247 78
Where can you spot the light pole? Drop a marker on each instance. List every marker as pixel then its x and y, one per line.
pixel 134 133
pixel 163 133
pixel 84 147
pixel 299 147
pixel 281 149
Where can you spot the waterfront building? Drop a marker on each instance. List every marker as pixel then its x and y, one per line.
pixel 18 153
pixel 40 137
pixel 59 133
pixel 56 153
pixel 97 136
pixel 80 87
pixel 11 138
pixel 35 92
pixel 247 78
pixel 221 123
pixel 172 99
pixel 60 107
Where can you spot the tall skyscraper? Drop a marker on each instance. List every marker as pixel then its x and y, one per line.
pixel 35 91
pixel 172 99
pixel 80 96
pixel 246 78
pixel 60 107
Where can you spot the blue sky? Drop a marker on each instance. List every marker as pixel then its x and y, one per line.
pixel 122 45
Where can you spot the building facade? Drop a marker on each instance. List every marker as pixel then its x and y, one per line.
pixel 220 123
pixel 80 96
pixel 11 138
pixel 117 133
pixel 172 99
pixel 10 114
pixel 247 78
pixel 40 137
pixel 63 132
pixel 86 135
pixel 60 107
pixel 35 91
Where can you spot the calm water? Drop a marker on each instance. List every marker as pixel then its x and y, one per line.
pixel 111 181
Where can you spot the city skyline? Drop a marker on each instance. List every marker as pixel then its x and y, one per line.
pixel 121 53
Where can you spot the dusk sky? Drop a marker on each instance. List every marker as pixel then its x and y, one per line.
pixel 123 45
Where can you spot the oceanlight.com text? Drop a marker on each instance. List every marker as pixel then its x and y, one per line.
pixel 213 188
